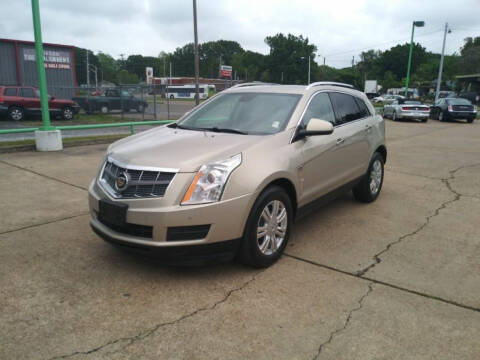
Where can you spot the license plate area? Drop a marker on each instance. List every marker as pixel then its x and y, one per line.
pixel 110 212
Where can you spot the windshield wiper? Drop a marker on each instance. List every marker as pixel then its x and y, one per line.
pixel 226 130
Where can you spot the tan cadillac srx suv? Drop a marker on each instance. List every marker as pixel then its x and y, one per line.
pixel 229 178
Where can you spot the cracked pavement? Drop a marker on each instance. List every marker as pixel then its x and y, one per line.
pixel 394 279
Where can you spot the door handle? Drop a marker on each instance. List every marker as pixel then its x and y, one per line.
pixel 340 141
pixel 368 128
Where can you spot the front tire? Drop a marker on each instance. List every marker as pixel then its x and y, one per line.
pixel 104 109
pixel 368 189
pixel 268 228
pixel 16 113
pixel 441 117
pixel 470 120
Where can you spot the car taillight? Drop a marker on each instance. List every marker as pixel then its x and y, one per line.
pixel 405 108
pixel 425 109
pixel 474 107
pixel 450 108
pixel 1 99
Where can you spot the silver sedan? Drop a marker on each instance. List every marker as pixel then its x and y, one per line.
pixel 406 109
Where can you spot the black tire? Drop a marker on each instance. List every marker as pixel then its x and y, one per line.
pixel 172 97
pixel 394 116
pixel 362 191
pixel 16 113
pixel 424 120
pixel 250 253
pixel 470 120
pixel 140 108
pixel 441 116
pixel 67 113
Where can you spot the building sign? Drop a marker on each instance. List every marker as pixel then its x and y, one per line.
pixel 225 71
pixel 149 73
pixel 53 59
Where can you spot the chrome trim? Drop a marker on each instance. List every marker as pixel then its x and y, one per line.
pixel 144 168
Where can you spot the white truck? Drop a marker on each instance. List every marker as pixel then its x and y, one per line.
pixel 371 88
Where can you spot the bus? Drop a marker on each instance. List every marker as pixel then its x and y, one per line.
pixel 188 91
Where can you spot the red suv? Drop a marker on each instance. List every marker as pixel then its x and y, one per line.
pixel 18 101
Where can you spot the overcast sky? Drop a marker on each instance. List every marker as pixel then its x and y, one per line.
pixel 340 29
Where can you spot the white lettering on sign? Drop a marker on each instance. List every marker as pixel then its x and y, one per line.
pixel 53 59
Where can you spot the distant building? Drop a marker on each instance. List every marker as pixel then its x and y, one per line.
pixel 220 84
pixel 18 66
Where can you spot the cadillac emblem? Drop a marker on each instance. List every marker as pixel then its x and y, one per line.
pixel 121 182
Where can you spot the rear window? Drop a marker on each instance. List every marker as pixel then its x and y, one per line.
pixel 409 102
pixel 346 107
pixel 363 108
pixel 458 101
pixel 10 92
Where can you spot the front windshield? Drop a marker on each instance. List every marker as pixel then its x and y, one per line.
pixel 251 113
pixel 459 101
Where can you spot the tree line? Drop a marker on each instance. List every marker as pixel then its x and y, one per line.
pixel 286 62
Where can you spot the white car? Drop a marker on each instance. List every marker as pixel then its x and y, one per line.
pixel 406 109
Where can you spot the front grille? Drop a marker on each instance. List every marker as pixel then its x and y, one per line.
pixel 179 233
pixel 141 183
pixel 129 229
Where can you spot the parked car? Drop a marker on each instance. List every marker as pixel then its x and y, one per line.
pixel 378 99
pixel 114 99
pixel 453 108
pixel 16 102
pixel 391 98
pixel 406 109
pixel 229 178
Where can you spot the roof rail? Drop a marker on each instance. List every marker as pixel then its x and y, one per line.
pixel 331 83
pixel 254 83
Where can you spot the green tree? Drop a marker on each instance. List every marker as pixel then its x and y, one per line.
pixel 124 77
pixel 289 55
pixel 81 64
pixel 108 67
pixel 389 81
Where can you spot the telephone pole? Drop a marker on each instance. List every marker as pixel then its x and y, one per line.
pixel 88 74
pixel 440 69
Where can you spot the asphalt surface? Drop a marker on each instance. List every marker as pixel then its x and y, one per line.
pixel 174 110
pixel 395 279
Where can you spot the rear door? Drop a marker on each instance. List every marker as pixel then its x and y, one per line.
pixel 30 101
pixel 10 96
pixel 351 129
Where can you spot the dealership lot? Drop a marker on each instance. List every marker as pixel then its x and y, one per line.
pixel 398 278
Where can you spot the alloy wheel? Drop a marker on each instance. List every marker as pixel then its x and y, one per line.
pixel 272 227
pixel 376 177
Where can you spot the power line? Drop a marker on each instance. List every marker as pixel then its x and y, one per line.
pixel 378 45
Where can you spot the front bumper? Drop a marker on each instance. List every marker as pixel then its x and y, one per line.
pixel 226 220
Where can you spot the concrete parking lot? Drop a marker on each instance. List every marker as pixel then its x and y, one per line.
pixel 395 279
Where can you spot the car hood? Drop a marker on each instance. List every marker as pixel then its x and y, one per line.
pixel 185 150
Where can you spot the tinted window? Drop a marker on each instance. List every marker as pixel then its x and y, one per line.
pixel 10 92
pixel 459 101
pixel 320 108
pixel 364 112
pixel 27 92
pixel 346 108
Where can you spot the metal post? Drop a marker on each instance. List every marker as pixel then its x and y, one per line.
pixel 197 67
pixel 440 69
pixel 154 102
pixel 309 58
pixel 88 74
pixel 419 24
pixel 168 96
pixel 42 79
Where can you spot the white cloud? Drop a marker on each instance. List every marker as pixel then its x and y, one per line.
pixel 339 29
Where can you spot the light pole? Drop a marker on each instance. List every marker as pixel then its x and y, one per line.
pixel 439 78
pixel 418 24
pixel 197 67
pixel 308 76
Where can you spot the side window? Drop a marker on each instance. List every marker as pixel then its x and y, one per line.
pixel 10 92
pixel 27 92
pixel 320 108
pixel 346 107
pixel 364 112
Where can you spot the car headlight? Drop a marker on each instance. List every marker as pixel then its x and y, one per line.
pixel 208 184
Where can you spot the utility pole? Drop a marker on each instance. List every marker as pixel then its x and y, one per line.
pixel 88 74
pixel 440 69
pixel 419 24
pixel 197 66
pixel 353 61
pixel 309 59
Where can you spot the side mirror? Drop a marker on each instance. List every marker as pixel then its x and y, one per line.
pixel 315 127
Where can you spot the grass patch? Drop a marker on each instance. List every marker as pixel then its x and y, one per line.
pixel 84 119
pixel 66 141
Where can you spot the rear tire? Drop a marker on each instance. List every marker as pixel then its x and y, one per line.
pixel 425 120
pixel 172 97
pixel 140 108
pixel 16 113
pixel 441 117
pixel 394 116
pixel 104 109
pixel 470 120
pixel 264 240
pixel 368 189
pixel 67 113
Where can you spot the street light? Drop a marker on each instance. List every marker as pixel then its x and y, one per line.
pixel 309 59
pixel 440 69
pixel 417 24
